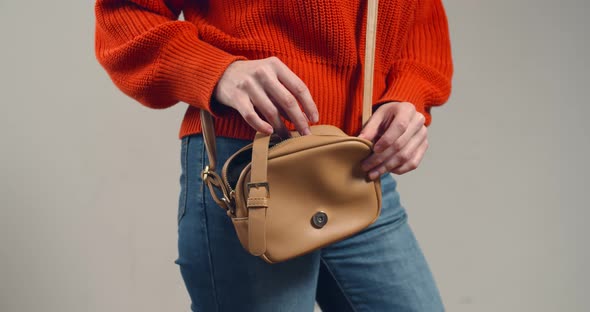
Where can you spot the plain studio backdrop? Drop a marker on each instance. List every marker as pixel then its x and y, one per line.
pixel 89 178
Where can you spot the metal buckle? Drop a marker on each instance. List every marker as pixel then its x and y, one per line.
pixel 257 185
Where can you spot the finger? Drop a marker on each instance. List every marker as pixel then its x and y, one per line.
pixel 284 115
pixel 265 106
pixel 376 160
pixel 244 106
pixel 298 88
pixel 399 157
pixel 372 127
pixel 288 103
pixel 415 124
pixel 414 162
pixel 398 126
pixel 376 173
pixel 408 152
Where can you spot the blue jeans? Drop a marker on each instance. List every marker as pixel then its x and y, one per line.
pixel 380 269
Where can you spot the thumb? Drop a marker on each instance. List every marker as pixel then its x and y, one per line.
pixel 371 128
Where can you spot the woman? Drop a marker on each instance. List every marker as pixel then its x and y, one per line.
pixel 274 66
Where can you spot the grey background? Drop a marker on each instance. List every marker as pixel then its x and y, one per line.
pixel 89 178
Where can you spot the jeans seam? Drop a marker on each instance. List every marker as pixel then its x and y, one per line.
pixel 338 284
pixel 206 227
pixel 184 148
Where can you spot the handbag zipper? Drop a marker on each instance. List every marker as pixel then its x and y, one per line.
pixel 232 192
pixel 225 179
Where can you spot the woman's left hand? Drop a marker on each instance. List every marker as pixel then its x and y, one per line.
pixel 400 138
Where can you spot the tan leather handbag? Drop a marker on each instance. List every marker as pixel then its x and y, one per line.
pixel 287 198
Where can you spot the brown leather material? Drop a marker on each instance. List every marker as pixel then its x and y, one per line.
pixel 209 137
pixel 257 231
pixel 302 193
pixel 370 41
pixel 259 159
pixel 307 175
pixel 257 201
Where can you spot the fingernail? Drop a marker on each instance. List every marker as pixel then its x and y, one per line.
pixel 373 175
pixel 306 131
pixel 315 118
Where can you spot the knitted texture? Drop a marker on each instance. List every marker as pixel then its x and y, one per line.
pixel 159 60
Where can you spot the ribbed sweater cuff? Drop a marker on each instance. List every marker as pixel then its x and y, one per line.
pixel 408 87
pixel 191 68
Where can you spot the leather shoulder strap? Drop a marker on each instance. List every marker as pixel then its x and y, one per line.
pixel 258 195
pixel 371 34
pixel 209 137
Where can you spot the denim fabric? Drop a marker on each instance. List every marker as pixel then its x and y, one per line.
pixel 380 269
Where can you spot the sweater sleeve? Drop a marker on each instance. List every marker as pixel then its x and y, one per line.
pixel 155 58
pixel 421 72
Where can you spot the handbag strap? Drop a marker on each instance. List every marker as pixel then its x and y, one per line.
pixel 259 164
pixel 370 41
pixel 258 194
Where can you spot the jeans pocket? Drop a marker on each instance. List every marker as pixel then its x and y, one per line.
pixel 183 178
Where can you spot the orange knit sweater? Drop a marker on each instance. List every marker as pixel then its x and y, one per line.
pixel 159 60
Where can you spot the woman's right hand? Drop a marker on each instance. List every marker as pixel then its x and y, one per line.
pixel 267 86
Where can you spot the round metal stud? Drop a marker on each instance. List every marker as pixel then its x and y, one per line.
pixel 319 219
